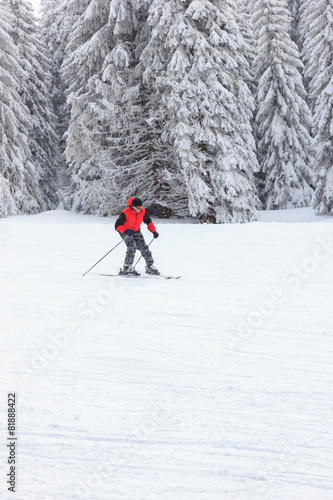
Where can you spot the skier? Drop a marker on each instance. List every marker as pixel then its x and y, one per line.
pixel 128 225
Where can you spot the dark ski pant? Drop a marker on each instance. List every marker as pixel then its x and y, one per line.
pixel 136 242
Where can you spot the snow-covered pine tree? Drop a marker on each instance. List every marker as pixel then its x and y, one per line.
pixel 129 159
pixel 77 27
pixel 108 145
pixel 72 11
pixel 7 87
pixel 91 41
pixel 283 116
pixel 53 15
pixel 19 188
pixel 195 64
pixel 33 91
pixel 316 32
pixel 244 22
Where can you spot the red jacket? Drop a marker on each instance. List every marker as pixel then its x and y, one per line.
pixel 130 219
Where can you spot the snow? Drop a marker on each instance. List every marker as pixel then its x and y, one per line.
pixel 36 6
pixel 214 386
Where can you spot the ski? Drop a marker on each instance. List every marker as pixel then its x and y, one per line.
pixel 150 276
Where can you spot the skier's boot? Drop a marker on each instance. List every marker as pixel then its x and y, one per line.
pixel 152 270
pixel 129 271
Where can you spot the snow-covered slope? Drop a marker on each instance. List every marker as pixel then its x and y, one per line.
pixel 215 386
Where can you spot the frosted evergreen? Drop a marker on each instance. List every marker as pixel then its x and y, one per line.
pixel 53 15
pixel 88 44
pixel 244 22
pixel 34 93
pixel 317 36
pixel 195 63
pixel 20 192
pixel 110 143
pixel 283 116
pixel 128 160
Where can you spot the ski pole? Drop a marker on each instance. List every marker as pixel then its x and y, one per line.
pixel 141 255
pixel 102 258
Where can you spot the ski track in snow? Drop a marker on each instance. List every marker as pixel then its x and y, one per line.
pixel 215 386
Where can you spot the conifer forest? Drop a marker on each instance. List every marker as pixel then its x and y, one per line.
pixel 211 109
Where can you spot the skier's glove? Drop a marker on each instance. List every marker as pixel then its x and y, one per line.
pixel 128 232
pixel 155 234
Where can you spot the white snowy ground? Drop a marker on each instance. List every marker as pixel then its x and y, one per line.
pixel 215 386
